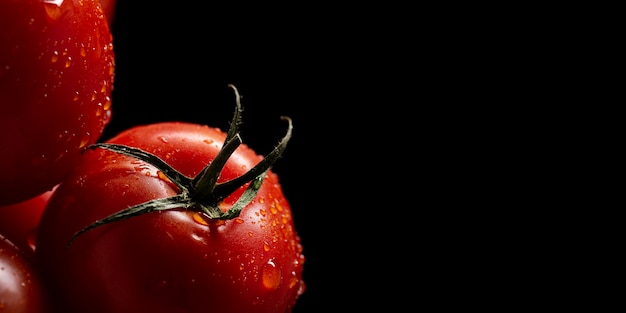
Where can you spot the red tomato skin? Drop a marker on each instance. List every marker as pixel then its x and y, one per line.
pixel 108 7
pixel 21 287
pixel 18 222
pixel 168 261
pixel 56 80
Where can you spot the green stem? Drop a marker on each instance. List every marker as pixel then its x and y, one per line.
pixel 201 193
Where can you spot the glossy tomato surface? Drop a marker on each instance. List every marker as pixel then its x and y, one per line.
pixel 19 221
pixel 108 7
pixel 21 288
pixel 168 261
pixel 56 78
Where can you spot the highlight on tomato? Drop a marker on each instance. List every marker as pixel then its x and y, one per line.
pixel 21 286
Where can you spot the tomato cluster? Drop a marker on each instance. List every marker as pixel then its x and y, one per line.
pixel 163 217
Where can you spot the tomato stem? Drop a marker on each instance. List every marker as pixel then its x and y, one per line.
pixel 201 193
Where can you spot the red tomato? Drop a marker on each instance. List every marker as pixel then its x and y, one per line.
pixel 108 7
pixel 174 257
pixel 21 287
pixel 56 78
pixel 18 222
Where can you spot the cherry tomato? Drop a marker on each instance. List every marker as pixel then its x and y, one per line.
pixel 56 79
pixel 18 222
pixel 167 217
pixel 21 287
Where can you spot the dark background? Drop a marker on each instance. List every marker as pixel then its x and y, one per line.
pixel 330 75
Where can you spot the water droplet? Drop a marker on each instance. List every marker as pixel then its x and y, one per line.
pixel 85 140
pixel 107 103
pixel 162 139
pixel 53 10
pixel 200 218
pixel 31 239
pixel 271 275
pixel 197 237
pixel 293 280
pixel 55 2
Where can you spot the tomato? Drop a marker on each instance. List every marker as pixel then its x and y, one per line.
pixel 21 287
pixel 56 80
pixel 18 222
pixel 108 7
pixel 151 221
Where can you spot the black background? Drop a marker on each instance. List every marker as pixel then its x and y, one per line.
pixel 330 74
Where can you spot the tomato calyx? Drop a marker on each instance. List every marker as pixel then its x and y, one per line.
pixel 201 193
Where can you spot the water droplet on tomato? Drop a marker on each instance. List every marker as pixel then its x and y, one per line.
pixel 271 275
pixel 53 10
pixel 197 237
pixel 199 218
pixel 107 103
pixel 55 2
pixel 293 280
pixel 85 140
pixel 31 239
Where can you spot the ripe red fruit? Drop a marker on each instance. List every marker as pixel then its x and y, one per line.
pixel 56 78
pixel 172 217
pixel 21 287
pixel 108 7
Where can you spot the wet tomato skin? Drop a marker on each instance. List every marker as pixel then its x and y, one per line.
pixel 109 7
pixel 56 80
pixel 21 288
pixel 169 261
